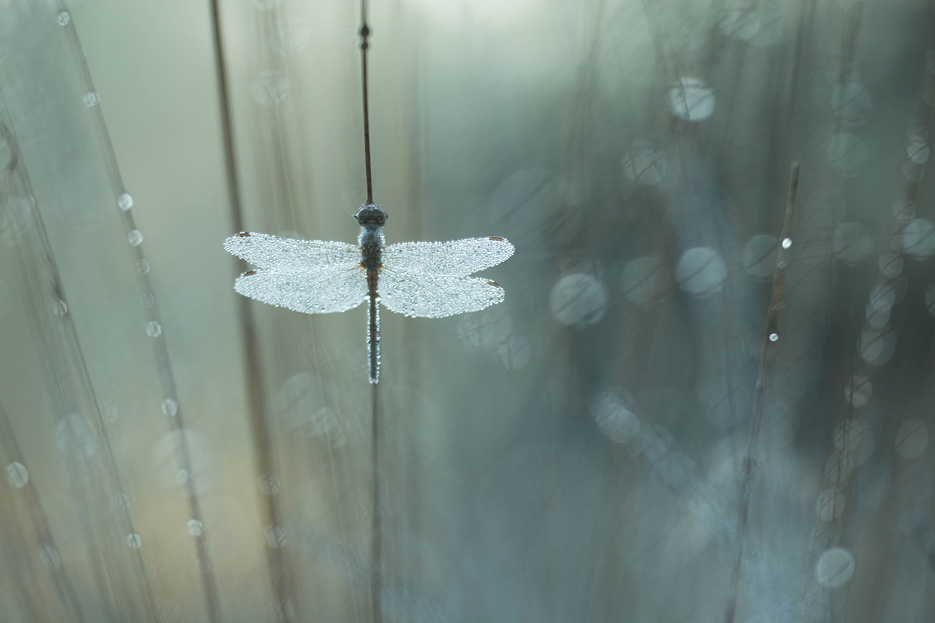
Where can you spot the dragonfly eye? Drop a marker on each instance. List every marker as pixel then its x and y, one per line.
pixel 370 214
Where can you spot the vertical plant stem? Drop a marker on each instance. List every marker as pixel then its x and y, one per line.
pixel 770 336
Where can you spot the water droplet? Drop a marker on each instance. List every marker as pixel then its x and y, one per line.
pixel 64 18
pixel 91 99
pixel 917 238
pixel 837 468
pixel 17 474
pixel 830 504
pixel 691 99
pixel 73 434
pixel 786 243
pixel 170 407
pixel 134 541
pixel 851 103
pixel 918 150
pixel 125 201
pixel 60 308
pixel 876 347
pixel 153 329
pixel 614 417
pixel 891 264
pixel 142 268
pixel 135 237
pixel 194 527
pixel 858 391
pixel 578 299
pixel 882 296
pixel 773 337
pixel 183 477
pixel 701 271
pixel 876 317
pixel 147 300
pixel 912 437
pixel 904 209
pixel 855 440
pixel 835 567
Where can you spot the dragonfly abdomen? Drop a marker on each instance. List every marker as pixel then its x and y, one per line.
pixel 373 326
pixel 371 243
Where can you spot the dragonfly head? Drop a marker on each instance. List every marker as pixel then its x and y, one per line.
pixel 371 215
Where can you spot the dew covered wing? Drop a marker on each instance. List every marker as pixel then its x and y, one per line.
pixel 456 258
pixel 268 251
pixel 435 296
pixel 310 291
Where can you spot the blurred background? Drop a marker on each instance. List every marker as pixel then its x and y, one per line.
pixel 174 452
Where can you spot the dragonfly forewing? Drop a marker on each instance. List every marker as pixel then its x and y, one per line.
pixel 456 258
pixel 268 251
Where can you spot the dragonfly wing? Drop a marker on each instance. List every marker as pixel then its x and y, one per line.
pixel 311 291
pixel 268 251
pixel 435 296
pixel 458 257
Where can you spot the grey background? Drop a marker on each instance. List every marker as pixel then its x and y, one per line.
pixel 173 452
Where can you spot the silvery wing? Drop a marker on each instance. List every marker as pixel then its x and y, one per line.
pixel 313 290
pixel 310 276
pixel 455 258
pixel 435 296
pixel 268 251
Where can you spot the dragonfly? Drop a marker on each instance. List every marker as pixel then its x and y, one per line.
pixel 417 279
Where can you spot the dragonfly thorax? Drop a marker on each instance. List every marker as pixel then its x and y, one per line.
pixel 371 240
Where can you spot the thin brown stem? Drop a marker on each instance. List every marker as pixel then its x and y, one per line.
pixel 364 45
